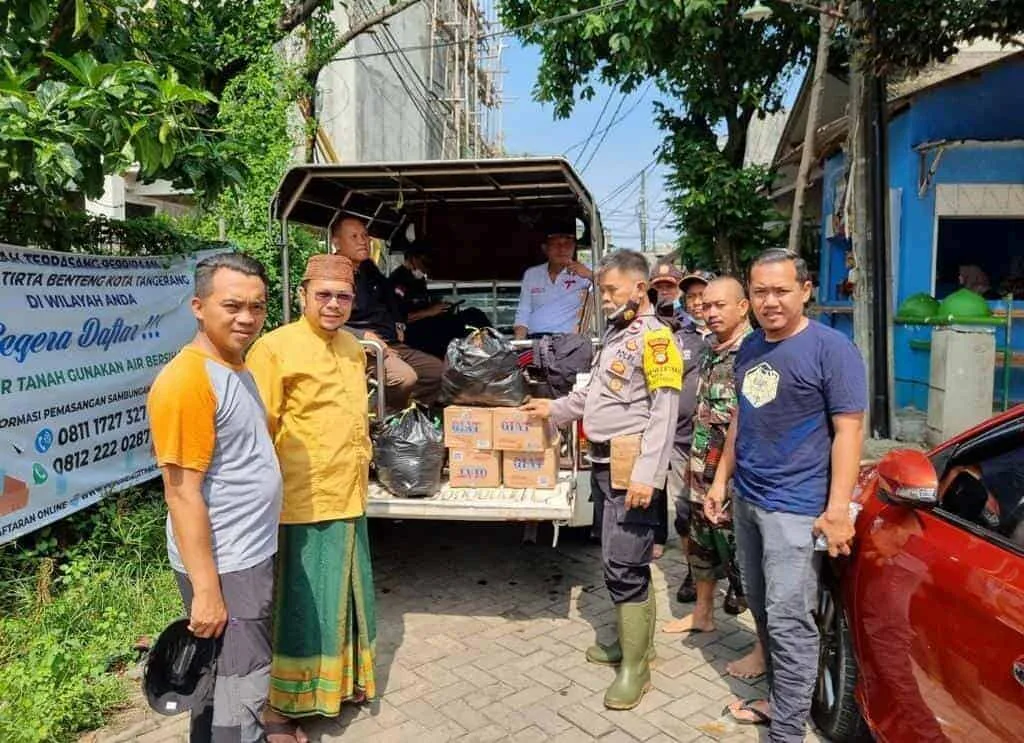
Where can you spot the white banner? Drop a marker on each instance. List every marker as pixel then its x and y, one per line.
pixel 81 339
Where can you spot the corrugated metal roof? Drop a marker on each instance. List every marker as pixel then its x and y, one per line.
pixel 972 57
pixel 830 135
pixel 763 137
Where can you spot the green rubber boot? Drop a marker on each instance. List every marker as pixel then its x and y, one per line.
pixel 611 655
pixel 605 655
pixel 634 677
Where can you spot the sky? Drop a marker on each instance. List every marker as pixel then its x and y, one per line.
pixel 530 128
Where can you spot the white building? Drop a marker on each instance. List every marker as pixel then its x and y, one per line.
pixel 423 85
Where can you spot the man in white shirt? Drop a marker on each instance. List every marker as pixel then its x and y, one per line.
pixel 553 293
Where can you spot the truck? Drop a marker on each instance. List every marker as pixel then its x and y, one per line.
pixel 484 221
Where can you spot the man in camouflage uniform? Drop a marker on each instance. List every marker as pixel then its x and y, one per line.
pixel 629 410
pixel 712 548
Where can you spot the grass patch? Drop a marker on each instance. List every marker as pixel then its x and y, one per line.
pixel 74 598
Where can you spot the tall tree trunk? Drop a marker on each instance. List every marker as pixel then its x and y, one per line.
pixel 860 221
pixel 807 156
pixel 727 256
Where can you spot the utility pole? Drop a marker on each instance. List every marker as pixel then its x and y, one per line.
pixel 869 190
pixel 859 199
pixel 643 211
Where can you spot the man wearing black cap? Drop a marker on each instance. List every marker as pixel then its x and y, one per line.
pixel 552 295
pixel 429 326
pixel 692 287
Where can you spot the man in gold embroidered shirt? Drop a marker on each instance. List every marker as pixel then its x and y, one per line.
pixel 311 376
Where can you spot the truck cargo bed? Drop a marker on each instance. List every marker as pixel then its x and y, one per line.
pixel 477 504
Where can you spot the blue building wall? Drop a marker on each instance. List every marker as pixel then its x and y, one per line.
pixel 977 107
pixel 834 246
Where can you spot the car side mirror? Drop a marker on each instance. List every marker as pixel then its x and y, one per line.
pixel 907 477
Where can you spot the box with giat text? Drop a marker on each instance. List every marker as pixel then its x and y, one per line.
pixel 530 469
pixel 468 428
pixel 472 468
pixel 517 431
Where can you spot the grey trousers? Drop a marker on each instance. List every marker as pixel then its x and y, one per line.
pixel 780 572
pixel 234 710
pixel 678 489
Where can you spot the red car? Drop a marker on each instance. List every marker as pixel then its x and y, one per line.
pixel 923 626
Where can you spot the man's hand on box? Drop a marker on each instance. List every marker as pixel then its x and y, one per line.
pixel 538 408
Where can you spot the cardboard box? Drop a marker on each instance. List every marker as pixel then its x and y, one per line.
pixel 472 468
pixel 530 469
pixel 516 431
pixel 468 428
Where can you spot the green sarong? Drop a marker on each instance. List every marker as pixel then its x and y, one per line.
pixel 325 623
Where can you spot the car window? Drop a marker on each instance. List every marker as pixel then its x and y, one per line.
pixel 985 487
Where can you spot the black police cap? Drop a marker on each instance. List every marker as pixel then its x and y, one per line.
pixel 180 670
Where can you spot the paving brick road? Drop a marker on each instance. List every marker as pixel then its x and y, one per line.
pixel 481 638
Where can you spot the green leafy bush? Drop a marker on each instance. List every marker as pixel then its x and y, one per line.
pixel 74 599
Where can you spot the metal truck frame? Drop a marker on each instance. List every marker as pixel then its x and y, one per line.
pixel 518 192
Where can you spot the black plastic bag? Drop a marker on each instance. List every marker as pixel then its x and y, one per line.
pixel 408 453
pixel 483 369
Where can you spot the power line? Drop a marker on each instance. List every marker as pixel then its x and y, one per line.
pixel 620 205
pixel 628 182
pixel 597 123
pixel 603 137
pixel 619 189
pixel 615 122
pixel 495 34
pixel 422 106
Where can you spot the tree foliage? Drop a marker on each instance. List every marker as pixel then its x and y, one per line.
pixel 716 71
pixel 89 87
pixel 912 34
pixel 256 114
pixel 728 206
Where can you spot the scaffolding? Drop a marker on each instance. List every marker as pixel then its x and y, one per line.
pixel 464 77
pixel 445 55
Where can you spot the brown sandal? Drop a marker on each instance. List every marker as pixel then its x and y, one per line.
pixel 284 732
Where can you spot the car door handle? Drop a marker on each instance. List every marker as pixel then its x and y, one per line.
pixel 1018 670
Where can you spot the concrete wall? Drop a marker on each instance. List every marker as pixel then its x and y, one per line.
pixel 986 177
pixel 367 111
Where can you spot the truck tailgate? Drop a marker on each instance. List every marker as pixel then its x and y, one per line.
pixel 477 504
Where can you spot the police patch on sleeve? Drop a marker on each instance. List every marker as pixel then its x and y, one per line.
pixel 663 365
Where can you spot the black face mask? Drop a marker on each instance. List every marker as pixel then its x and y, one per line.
pixel 624 314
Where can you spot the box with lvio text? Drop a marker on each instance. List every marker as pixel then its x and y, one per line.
pixel 473 468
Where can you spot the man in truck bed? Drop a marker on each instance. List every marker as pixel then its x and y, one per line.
pixel 375 317
pixel 551 298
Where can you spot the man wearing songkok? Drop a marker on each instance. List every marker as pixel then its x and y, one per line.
pixel 311 376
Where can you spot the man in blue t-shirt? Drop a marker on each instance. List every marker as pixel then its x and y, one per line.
pixel 793 450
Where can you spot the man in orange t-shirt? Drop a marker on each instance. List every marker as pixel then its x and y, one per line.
pixel 223 490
